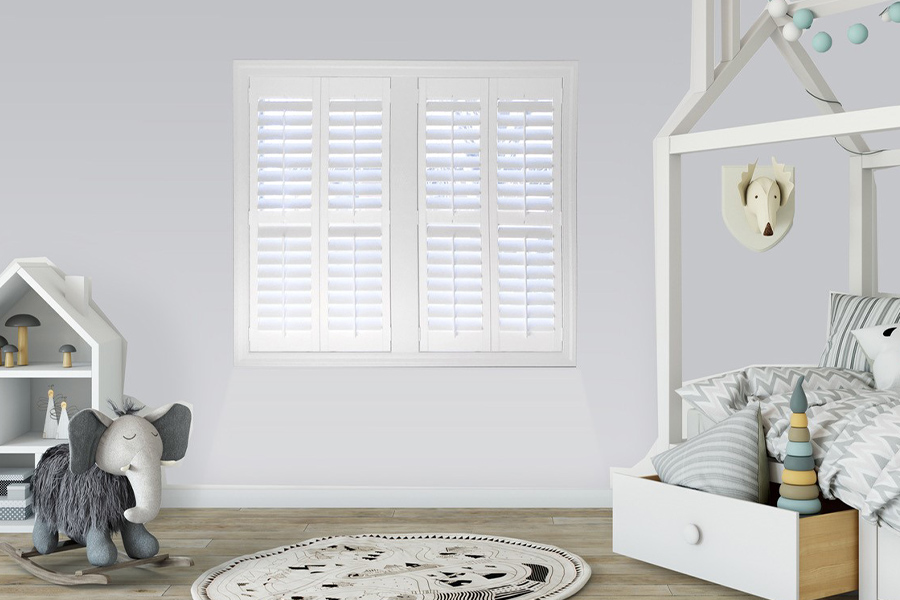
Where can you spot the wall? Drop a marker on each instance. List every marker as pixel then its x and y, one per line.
pixel 116 162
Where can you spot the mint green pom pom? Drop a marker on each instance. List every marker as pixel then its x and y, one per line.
pixel 803 18
pixel 858 33
pixel 894 12
pixel 821 42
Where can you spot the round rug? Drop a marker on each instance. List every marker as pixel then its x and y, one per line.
pixel 418 566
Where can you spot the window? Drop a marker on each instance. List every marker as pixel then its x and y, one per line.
pixel 404 213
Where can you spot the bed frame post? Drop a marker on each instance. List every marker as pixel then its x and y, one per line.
pixel 667 200
pixel 868 560
pixel 863 229
pixel 731 29
pixel 703 35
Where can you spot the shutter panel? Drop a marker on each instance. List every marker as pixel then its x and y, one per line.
pixel 355 225
pixel 454 293
pixel 283 265
pixel 526 216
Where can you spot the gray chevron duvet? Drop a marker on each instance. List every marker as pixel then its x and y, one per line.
pixel 855 435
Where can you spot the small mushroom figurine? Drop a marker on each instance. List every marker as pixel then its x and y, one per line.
pixel 8 351
pixel 3 342
pixel 67 350
pixel 23 322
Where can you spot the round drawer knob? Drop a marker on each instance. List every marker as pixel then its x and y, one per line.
pixel 691 534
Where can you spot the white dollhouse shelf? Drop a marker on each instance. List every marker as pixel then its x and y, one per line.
pixel 36 370
pixel 68 315
pixel 32 442
pixel 17 526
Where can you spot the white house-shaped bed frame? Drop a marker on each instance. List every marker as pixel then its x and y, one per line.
pixel 676 139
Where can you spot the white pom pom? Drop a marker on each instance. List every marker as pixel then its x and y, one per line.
pixel 791 32
pixel 777 8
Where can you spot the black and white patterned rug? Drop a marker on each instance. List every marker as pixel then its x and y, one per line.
pixel 419 566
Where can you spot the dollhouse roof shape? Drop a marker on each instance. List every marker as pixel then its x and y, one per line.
pixel 68 296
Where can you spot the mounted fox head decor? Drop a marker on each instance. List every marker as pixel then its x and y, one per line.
pixel 758 203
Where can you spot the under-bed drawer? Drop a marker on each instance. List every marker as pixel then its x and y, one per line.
pixel 755 548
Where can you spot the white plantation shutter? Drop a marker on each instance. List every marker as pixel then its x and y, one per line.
pixel 526 215
pixel 479 242
pixel 454 269
pixel 284 289
pixel 355 221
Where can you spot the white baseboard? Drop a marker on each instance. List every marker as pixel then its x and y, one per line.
pixel 238 496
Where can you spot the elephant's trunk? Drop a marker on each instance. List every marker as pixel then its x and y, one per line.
pixel 146 481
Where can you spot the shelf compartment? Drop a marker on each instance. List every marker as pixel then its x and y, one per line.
pixel 32 442
pixel 25 526
pixel 36 370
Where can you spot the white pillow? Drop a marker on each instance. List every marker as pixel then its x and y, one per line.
pixel 882 347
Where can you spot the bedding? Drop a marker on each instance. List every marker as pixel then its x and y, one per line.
pixel 728 459
pixel 882 347
pixel 847 313
pixel 855 438
pixel 717 397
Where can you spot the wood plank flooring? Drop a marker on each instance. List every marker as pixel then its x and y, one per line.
pixel 214 536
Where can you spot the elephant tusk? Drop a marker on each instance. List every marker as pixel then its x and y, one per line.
pixel 126 468
pixel 168 463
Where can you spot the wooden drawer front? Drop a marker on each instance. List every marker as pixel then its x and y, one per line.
pixel 742 545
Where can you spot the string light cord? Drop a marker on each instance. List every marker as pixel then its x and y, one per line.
pixel 837 141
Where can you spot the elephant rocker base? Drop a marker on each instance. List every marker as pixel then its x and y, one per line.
pixel 91 576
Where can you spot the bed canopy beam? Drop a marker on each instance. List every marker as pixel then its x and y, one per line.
pixel 863 229
pixel 702 42
pixel 883 160
pixel 831 125
pixel 695 104
pixel 827 8
pixel 814 83
pixel 731 29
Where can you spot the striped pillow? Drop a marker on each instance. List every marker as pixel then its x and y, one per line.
pixel 728 459
pixel 848 313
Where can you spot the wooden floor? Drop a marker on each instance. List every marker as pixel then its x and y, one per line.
pixel 212 537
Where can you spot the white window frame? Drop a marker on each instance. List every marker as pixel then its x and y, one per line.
pixel 404 219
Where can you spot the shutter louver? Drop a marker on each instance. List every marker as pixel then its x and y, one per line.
pixel 527 280
pixel 355 225
pixel 284 154
pixel 284 299
pixel 355 279
pixel 525 155
pixel 526 216
pixel 355 154
pixel 454 290
pixel 284 279
pixel 454 279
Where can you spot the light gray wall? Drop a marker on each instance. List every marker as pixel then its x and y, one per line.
pixel 116 162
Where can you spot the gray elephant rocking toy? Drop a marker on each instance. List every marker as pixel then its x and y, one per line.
pixel 107 480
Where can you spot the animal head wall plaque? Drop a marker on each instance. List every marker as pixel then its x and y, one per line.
pixel 758 203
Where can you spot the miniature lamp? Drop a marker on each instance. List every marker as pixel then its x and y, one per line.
pixel 23 322
pixel 66 350
pixel 8 351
